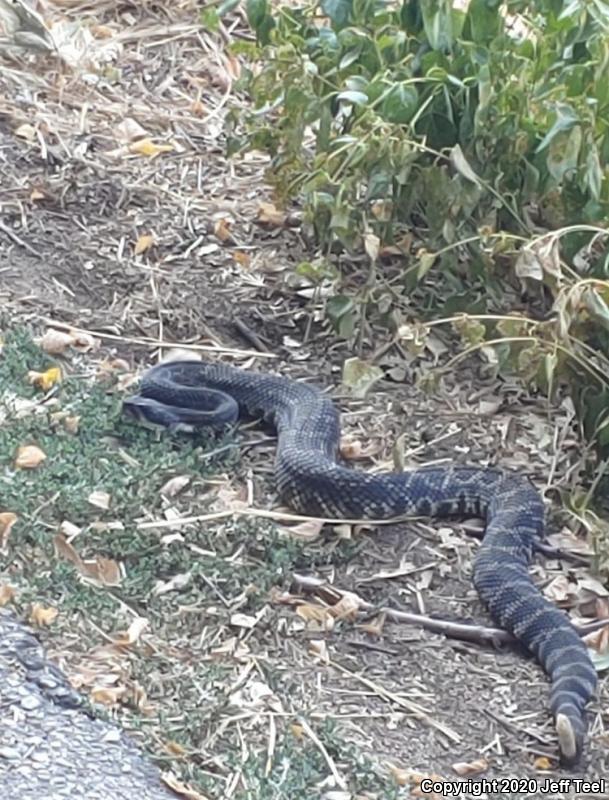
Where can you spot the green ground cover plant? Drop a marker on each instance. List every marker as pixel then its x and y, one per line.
pixel 172 688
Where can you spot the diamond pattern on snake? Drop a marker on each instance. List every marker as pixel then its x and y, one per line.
pixel 185 395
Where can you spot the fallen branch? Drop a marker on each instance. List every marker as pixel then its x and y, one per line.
pixel 464 631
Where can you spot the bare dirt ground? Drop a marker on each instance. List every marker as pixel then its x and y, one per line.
pixel 377 702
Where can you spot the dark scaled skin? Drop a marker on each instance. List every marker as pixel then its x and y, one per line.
pixel 312 482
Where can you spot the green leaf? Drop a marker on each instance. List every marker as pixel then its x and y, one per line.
pixel 350 57
pixel 426 262
pixel 570 9
pixel 260 20
pixel 483 21
pixel 472 331
pixel 339 11
pixel 563 153
pixel 566 118
pixel 359 376
pixel 357 98
pixel 600 660
pixel 460 163
pixel 338 305
pixel 594 172
pixel 316 271
pixel 256 12
pixel 596 306
pixel 342 313
pixel 210 19
pixel 227 6
pixel 438 23
pixel 400 104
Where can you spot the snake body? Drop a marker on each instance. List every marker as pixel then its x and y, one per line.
pixel 311 481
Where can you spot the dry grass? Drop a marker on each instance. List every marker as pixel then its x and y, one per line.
pixel 230 685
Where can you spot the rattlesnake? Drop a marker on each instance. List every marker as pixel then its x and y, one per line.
pixel 187 394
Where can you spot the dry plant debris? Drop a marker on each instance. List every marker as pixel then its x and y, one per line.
pixel 124 225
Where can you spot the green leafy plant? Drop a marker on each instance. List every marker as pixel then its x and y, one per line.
pixel 470 144
pixel 434 111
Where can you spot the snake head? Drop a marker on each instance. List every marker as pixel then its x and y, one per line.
pixel 152 414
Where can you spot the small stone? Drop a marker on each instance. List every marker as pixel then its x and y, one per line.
pixel 30 702
pixel 46 681
pixel 10 753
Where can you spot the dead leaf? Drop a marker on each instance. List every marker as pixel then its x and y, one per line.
pixel 65 550
pixel 71 423
pixel 602 608
pixel 403 777
pixel 222 229
pixel 7 594
pixel 347 607
pixel 133 633
pixel 7 520
pixel 461 164
pixel 243 621
pixel 143 243
pixel 197 108
pixel 344 531
pixel 405 568
pixel 227 648
pixel 318 617
pixel 100 499
pixel 180 354
pixel 65 420
pixel 45 380
pixel 354 449
pixel 488 408
pixel 233 65
pixel 148 148
pixel 174 584
pixel 409 777
pixel 319 648
pixel 128 130
pixel 109 366
pixel 27 132
pixel 598 640
pixel 382 210
pixel 55 342
pixel 269 215
pixel 103 571
pixel 175 749
pixel 29 457
pixel 100 570
pixel 359 376
pixel 297 730
pixel 567 540
pixel 372 245
pixel 185 791
pixel 256 695
pixel 108 695
pixel 470 767
pixel 83 342
pixel 421 785
pixel 242 258
pixel 175 485
pixel 590 584
pixel 528 265
pixel 308 530
pixel 559 590
pixel 374 627
pixel 42 615
pixel 543 763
